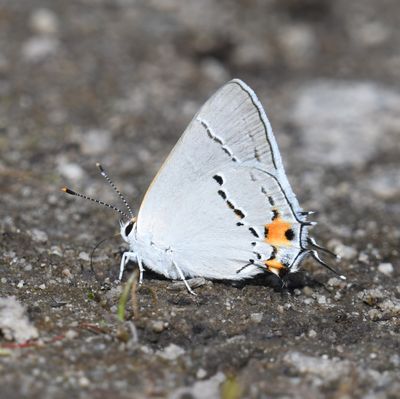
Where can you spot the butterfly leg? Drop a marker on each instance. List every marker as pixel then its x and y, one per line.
pixel 126 257
pixel 141 270
pixel 183 278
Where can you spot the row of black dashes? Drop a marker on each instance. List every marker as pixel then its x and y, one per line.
pixel 217 139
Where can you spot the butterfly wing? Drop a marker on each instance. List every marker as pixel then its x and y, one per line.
pixel 221 202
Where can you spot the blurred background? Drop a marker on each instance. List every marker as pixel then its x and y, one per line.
pixel 117 81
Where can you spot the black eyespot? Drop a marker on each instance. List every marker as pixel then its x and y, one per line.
pixel 128 229
pixel 289 234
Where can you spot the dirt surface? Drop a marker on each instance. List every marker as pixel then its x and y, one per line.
pixel 117 81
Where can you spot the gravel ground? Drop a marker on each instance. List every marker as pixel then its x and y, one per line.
pixel 117 81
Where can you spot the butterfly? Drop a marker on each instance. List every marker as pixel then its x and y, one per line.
pixel 221 206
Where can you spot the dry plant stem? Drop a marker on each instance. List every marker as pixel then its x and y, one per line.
pixel 132 281
pixel 134 299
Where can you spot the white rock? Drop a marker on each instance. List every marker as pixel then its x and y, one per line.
pixel 395 360
pixel 344 251
pixel 299 44
pixel 335 282
pixel 38 48
pixel 207 389
pixel 171 352
pixel 370 33
pixel 56 250
pixel 71 171
pixel 391 306
pixel 312 333
pixel 71 334
pixel 321 299
pixel 201 373
pixel 214 70
pixel 39 235
pixel 95 142
pixel 14 324
pixel 83 382
pixel 158 326
pixel 84 256
pixel 44 21
pixel 374 314
pixel 384 183
pixel 256 317
pixel 328 369
pixel 345 123
pixel 386 268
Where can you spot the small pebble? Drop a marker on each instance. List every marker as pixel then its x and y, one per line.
pixel 44 21
pixel 386 268
pixel 39 48
pixel 39 236
pixel 84 256
pixel 158 326
pixel 20 284
pixel 308 290
pixel 335 282
pixel 171 352
pixel 374 314
pixel 395 360
pixel 95 142
pixel 345 252
pixel 71 334
pixel 312 333
pixel 28 267
pixel 42 286
pixel 56 250
pixel 67 273
pixel 71 171
pixel 256 317
pixel 201 373
pixel 84 382
pixel 371 297
pixel 321 299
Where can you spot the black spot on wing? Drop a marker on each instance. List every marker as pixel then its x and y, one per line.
pixel 253 231
pixel 218 179
pixel 222 194
pixel 239 213
pixel 289 234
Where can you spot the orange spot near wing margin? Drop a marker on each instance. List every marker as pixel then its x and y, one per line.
pixel 276 232
pixel 274 266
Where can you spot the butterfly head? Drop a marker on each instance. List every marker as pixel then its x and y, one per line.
pixel 127 228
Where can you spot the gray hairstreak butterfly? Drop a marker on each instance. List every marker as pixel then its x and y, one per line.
pixel 221 206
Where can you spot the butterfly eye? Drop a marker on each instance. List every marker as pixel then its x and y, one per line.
pixel 128 229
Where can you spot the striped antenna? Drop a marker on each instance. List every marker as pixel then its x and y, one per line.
pixel 111 183
pixel 70 192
